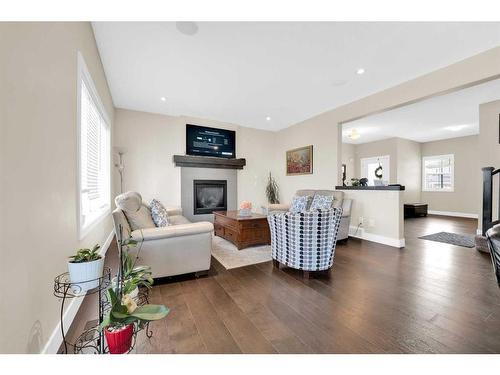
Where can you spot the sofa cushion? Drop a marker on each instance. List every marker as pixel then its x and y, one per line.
pixel 300 203
pixel 140 219
pixel 177 220
pixel 158 213
pixel 321 202
pixel 130 201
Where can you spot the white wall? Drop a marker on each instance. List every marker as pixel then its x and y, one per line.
pixel 349 159
pixel 323 131
pixel 151 140
pixel 38 158
pixel 465 197
pixel 409 169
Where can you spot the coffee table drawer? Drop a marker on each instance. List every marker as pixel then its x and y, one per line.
pixel 255 224
pixel 225 222
pixel 219 230
pixel 230 235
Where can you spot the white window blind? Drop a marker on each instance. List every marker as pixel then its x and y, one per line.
pixel 94 155
pixel 438 173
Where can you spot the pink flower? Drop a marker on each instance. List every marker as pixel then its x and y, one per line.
pixel 246 205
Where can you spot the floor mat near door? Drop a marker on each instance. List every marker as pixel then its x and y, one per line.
pixel 465 240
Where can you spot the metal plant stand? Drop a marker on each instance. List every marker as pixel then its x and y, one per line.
pixel 91 340
pixel 65 289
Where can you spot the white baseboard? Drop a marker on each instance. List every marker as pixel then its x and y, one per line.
pixel 455 214
pixel 394 242
pixel 55 339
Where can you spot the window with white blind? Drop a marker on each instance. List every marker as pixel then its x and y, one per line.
pixel 438 173
pixel 94 153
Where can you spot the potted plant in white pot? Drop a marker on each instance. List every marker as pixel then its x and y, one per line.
pixel 85 268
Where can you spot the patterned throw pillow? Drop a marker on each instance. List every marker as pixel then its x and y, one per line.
pixel 321 202
pixel 158 213
pixel 300 203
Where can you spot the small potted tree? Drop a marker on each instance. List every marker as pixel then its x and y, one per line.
pixel 85 268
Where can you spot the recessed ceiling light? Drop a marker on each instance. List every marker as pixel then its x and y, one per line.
pixel 360 71
pixel 187 28
pixel 455 128
pixel 268 118
pixel 163 99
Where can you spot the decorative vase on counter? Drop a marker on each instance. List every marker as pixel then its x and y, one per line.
pixel 245 209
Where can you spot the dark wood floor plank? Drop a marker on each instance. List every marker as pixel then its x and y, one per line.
pixel 214 333
pixel 336 338
pixel 181 328
pixel 244 332
pixel 428 297
pixel 282 338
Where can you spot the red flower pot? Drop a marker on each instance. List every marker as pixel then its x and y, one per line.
pixel 119 342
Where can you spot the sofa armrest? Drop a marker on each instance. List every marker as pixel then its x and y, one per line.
pixel 151 234
pixel 173 211
pixel 278 207
pixel 346 207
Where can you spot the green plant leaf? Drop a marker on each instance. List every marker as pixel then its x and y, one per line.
pixel 151 312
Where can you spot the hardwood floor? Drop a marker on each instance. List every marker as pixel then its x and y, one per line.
pixel 429 297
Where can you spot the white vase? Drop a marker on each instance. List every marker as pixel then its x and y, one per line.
pixel 85 275
pixel 245 212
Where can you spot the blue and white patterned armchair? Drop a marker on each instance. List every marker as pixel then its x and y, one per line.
pixel 305 240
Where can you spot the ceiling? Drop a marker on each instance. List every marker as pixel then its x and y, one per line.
pixel 273 75
pixel 447 116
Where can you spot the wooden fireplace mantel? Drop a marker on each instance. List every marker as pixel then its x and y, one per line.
pixel 208 162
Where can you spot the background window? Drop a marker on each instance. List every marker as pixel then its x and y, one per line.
pixel 94 158
pixel 437 173
pixel 368 166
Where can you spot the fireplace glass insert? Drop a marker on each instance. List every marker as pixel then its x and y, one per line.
pixel 209 196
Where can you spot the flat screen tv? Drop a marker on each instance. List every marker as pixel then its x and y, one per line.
pixel 204 141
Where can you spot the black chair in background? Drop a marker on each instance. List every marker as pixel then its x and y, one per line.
pixel 493 236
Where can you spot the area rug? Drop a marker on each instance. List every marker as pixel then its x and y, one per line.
pixel 451 238
pixel 230 257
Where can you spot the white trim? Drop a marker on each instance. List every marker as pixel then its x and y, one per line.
pixel 455 214
pixel 55 339
pixel 430 157
pixel 83 74
pixel 394 242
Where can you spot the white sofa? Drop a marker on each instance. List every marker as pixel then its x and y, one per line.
pixel 338 202
pixel 182 247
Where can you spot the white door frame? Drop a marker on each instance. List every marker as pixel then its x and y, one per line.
pixel 386 174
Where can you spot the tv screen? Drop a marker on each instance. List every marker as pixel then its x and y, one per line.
pixel 204 141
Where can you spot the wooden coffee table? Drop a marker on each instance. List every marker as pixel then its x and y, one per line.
pixel 243 231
